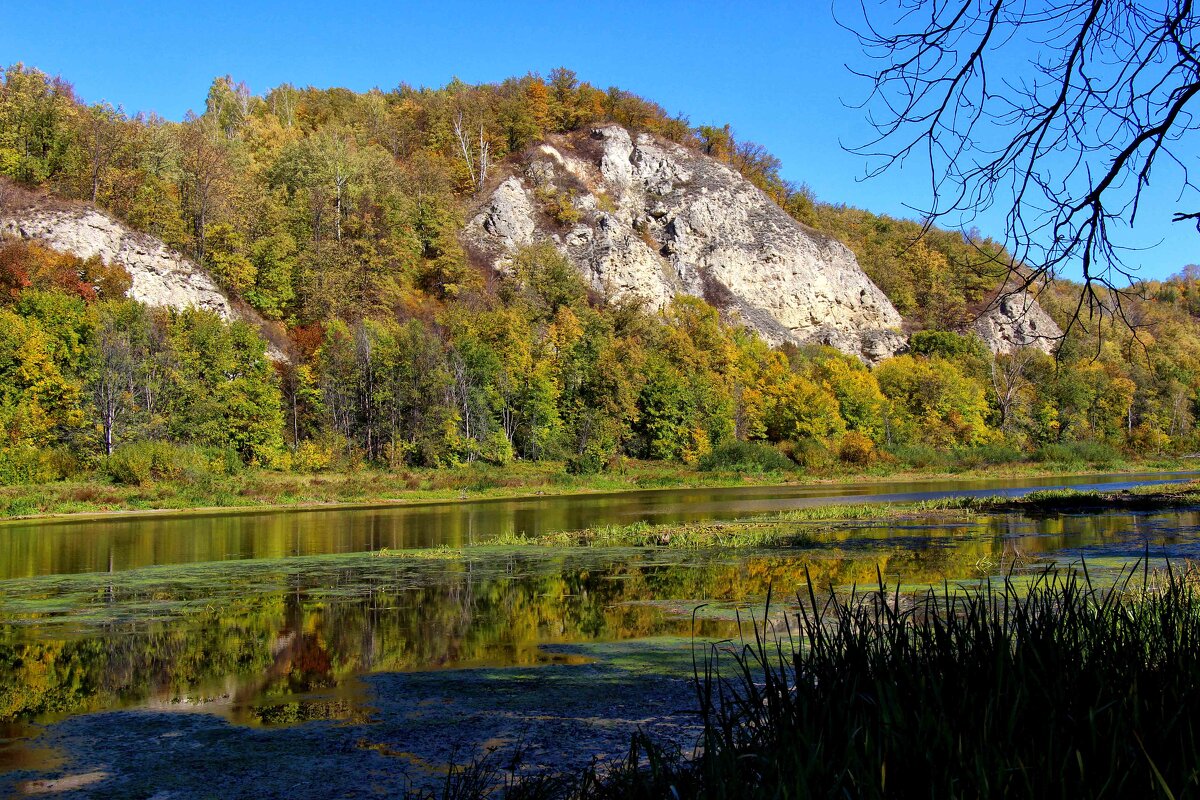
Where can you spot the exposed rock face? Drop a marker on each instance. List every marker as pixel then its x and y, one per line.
pixel 161 277
pixel 1014 321
pixel 656 219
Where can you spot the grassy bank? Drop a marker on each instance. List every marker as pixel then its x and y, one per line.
pixel 256 488
pixel 1067 501
pixel 804 527
pixel 1055 689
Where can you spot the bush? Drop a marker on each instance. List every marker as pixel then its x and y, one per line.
pixel 496 449
pixel 312 456
pixel 143 463
pixel 230 462
pixel 65 464
pixel 809 454
pixel 857 449
pixel 987 455
pixel 591 461
pixel 559 205
pixel 1148 440
pixel 736 456
pixel 1095 454
pixel 919 456
pixel 19 465
pixel 1055 453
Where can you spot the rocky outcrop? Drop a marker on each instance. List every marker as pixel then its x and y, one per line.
pixel 1015 320
pixel 161 277
pixel 640 216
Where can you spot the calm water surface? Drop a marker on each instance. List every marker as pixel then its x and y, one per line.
pixel 271 619
pixel 115 544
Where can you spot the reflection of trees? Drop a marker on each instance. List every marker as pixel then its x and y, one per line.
pixel 315 628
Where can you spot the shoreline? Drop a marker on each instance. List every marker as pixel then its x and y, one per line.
pixel 1146 498
pixel 682 481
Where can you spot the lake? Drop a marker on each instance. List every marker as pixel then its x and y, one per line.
pixel 122 542
pixel 278 654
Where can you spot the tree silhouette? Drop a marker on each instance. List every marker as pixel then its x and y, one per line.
pixel 1063 109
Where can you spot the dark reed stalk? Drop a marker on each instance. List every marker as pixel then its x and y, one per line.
pixel 1054 688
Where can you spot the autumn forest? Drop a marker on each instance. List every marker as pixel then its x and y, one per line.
pixel 332 219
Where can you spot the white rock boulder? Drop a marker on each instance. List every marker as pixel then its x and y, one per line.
pixel 1016 320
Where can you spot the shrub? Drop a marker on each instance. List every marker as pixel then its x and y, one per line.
pixel 496 449
pixel 697 446
pixel 20 507
pixel 919 456
pixel 1055 453
pixel 142 463
pixel 809 454
pixel 954 346
pixel 1098 454
pixel 20 465
pixel 230 462
pixel 1148 440
pixel 559 205
pixel 1095 454
pixel 987 455
pixel 65 464
pixel 855 448
pixel 312 456
pixel 737 456
pixel 589 462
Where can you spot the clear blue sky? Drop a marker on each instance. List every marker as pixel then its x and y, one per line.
pixel 774 70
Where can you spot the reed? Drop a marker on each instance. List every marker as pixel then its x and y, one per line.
pixel 1049 687
pixel 1054 688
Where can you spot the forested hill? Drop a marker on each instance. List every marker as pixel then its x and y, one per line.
pixel 338 218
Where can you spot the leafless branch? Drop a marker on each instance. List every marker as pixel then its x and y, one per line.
pixel 1057 111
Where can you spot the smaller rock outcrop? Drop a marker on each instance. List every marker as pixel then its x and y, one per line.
pixel 161 277
pixel 1014 320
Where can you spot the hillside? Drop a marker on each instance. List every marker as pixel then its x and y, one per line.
pixel 158 276
pixel 537 269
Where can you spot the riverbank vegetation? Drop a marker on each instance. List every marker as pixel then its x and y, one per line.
pixel 798 528
pixel 254 487
pixel 334 217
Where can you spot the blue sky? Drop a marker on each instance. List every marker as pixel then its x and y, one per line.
pixel 775 71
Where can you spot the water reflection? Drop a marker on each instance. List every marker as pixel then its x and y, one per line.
pixel 118 544
pixel 283 640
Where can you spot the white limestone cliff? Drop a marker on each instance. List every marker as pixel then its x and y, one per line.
pixel 161 276
pixel 1016 320
pixel 656 219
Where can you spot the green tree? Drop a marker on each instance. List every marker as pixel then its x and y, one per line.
pixel 223 390
pixel 933 401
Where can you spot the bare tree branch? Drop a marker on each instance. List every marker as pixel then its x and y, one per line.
pixel 1058 111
